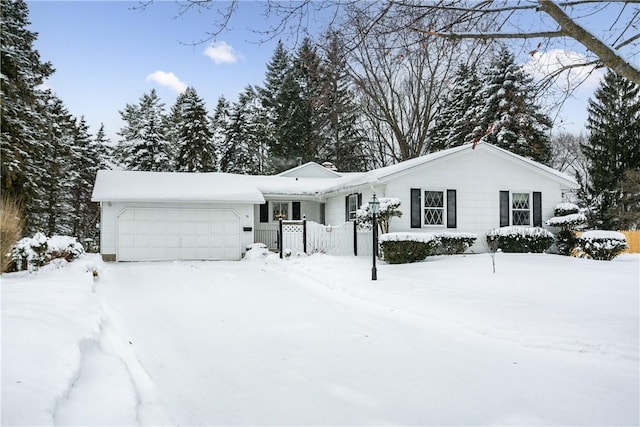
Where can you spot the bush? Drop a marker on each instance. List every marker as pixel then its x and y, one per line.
pixel 568 219
pixel 563 209
pixel 454 243
pixel 31 253
pixel 520 239
pixel 602 245
pixel 10 230
pixel 402 248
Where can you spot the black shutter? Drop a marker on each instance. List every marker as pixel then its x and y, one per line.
pixel 359 200
pixel 346 209
pixel 264 212
pixel 504 208
pixel 296 210
pixel 537 209
pixel 323 213
pixel 451 209
pixel 416 209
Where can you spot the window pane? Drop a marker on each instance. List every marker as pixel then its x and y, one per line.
pixel 520 217
pixel 433 199
pixel 520 200
pixel 353 206
pixel 280 210
pixel 433 216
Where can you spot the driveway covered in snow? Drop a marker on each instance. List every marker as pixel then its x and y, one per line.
pixel 313 341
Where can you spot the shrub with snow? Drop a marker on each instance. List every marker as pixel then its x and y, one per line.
pixel 389 208
pixel 568 219
pixel 520 239
pixel 602 245
pixel 450 243
pixel 402 248
pixel 31 253
pixel 256 251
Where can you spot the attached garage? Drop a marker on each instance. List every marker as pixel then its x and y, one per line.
pixel 160 234
pixel 150 216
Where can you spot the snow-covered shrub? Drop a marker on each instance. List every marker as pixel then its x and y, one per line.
pixel 454 243
pixel 520 239
pixel 389 208
pixel 563 209
pixel 31 253
pixel 402 248
pixel 602 245
pixel 256 251
pixel 66 247
pixel 567 218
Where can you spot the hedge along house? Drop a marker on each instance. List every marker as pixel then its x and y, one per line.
pixel 462 189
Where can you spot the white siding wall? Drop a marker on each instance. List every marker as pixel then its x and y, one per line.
pixel 477 176
pixel 110 211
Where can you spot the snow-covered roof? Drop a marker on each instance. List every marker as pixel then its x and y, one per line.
pixel 224 187
pixel 310 170
pixel 174 186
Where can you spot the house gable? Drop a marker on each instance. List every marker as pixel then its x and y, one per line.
pixel 310 170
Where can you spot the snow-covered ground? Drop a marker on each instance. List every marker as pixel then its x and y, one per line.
pixel 546 340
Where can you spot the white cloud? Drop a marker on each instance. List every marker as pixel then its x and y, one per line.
pixel 222 53
pixel 543 64
pixel 169 80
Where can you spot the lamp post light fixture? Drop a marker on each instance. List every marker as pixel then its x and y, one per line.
pixel 374 208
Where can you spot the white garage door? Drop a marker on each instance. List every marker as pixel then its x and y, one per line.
pixel 157 234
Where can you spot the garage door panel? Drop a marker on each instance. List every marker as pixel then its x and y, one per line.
pixel 171 233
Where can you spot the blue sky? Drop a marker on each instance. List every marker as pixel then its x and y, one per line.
pixel 107 55
pixel 105 52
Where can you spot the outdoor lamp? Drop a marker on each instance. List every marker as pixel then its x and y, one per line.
pixel 374 208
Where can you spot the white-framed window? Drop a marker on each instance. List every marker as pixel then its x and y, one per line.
pixel 280 210
pixel 433 207
pixel 352 207
pixel 520 209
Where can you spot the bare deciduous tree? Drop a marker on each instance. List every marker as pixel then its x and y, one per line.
pixel 616 48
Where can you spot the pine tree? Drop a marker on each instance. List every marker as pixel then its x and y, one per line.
pixel 612 146
pixel 220 122
pixel 145 145
pixel 192 134
pixel 452 123
pixel 510 117
pixel 51 210
pixel 21 143
pixel 275 100
pixel 344 141
pixel 104 149
pixel 242 152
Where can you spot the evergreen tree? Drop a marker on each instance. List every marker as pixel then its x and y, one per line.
pixel 192 135
pixel 452 123
pixel 509 116
pixel 21 141
pixel 343 140
pixel 51 210
pixel 104 149
pixel 612 146
pixel 242 145
pixel 275 100
pixel 145 145
pixel 220 122
pixel 305 139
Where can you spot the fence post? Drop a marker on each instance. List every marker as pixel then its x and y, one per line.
pixel 304 234
pixel 355 239
pixel 280 236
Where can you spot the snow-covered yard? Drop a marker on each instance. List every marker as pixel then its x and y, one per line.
pixel 312 340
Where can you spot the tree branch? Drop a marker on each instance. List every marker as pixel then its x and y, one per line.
pixel 588 40
pixel 489 36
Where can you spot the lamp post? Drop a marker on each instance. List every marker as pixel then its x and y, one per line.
pixel 374 208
